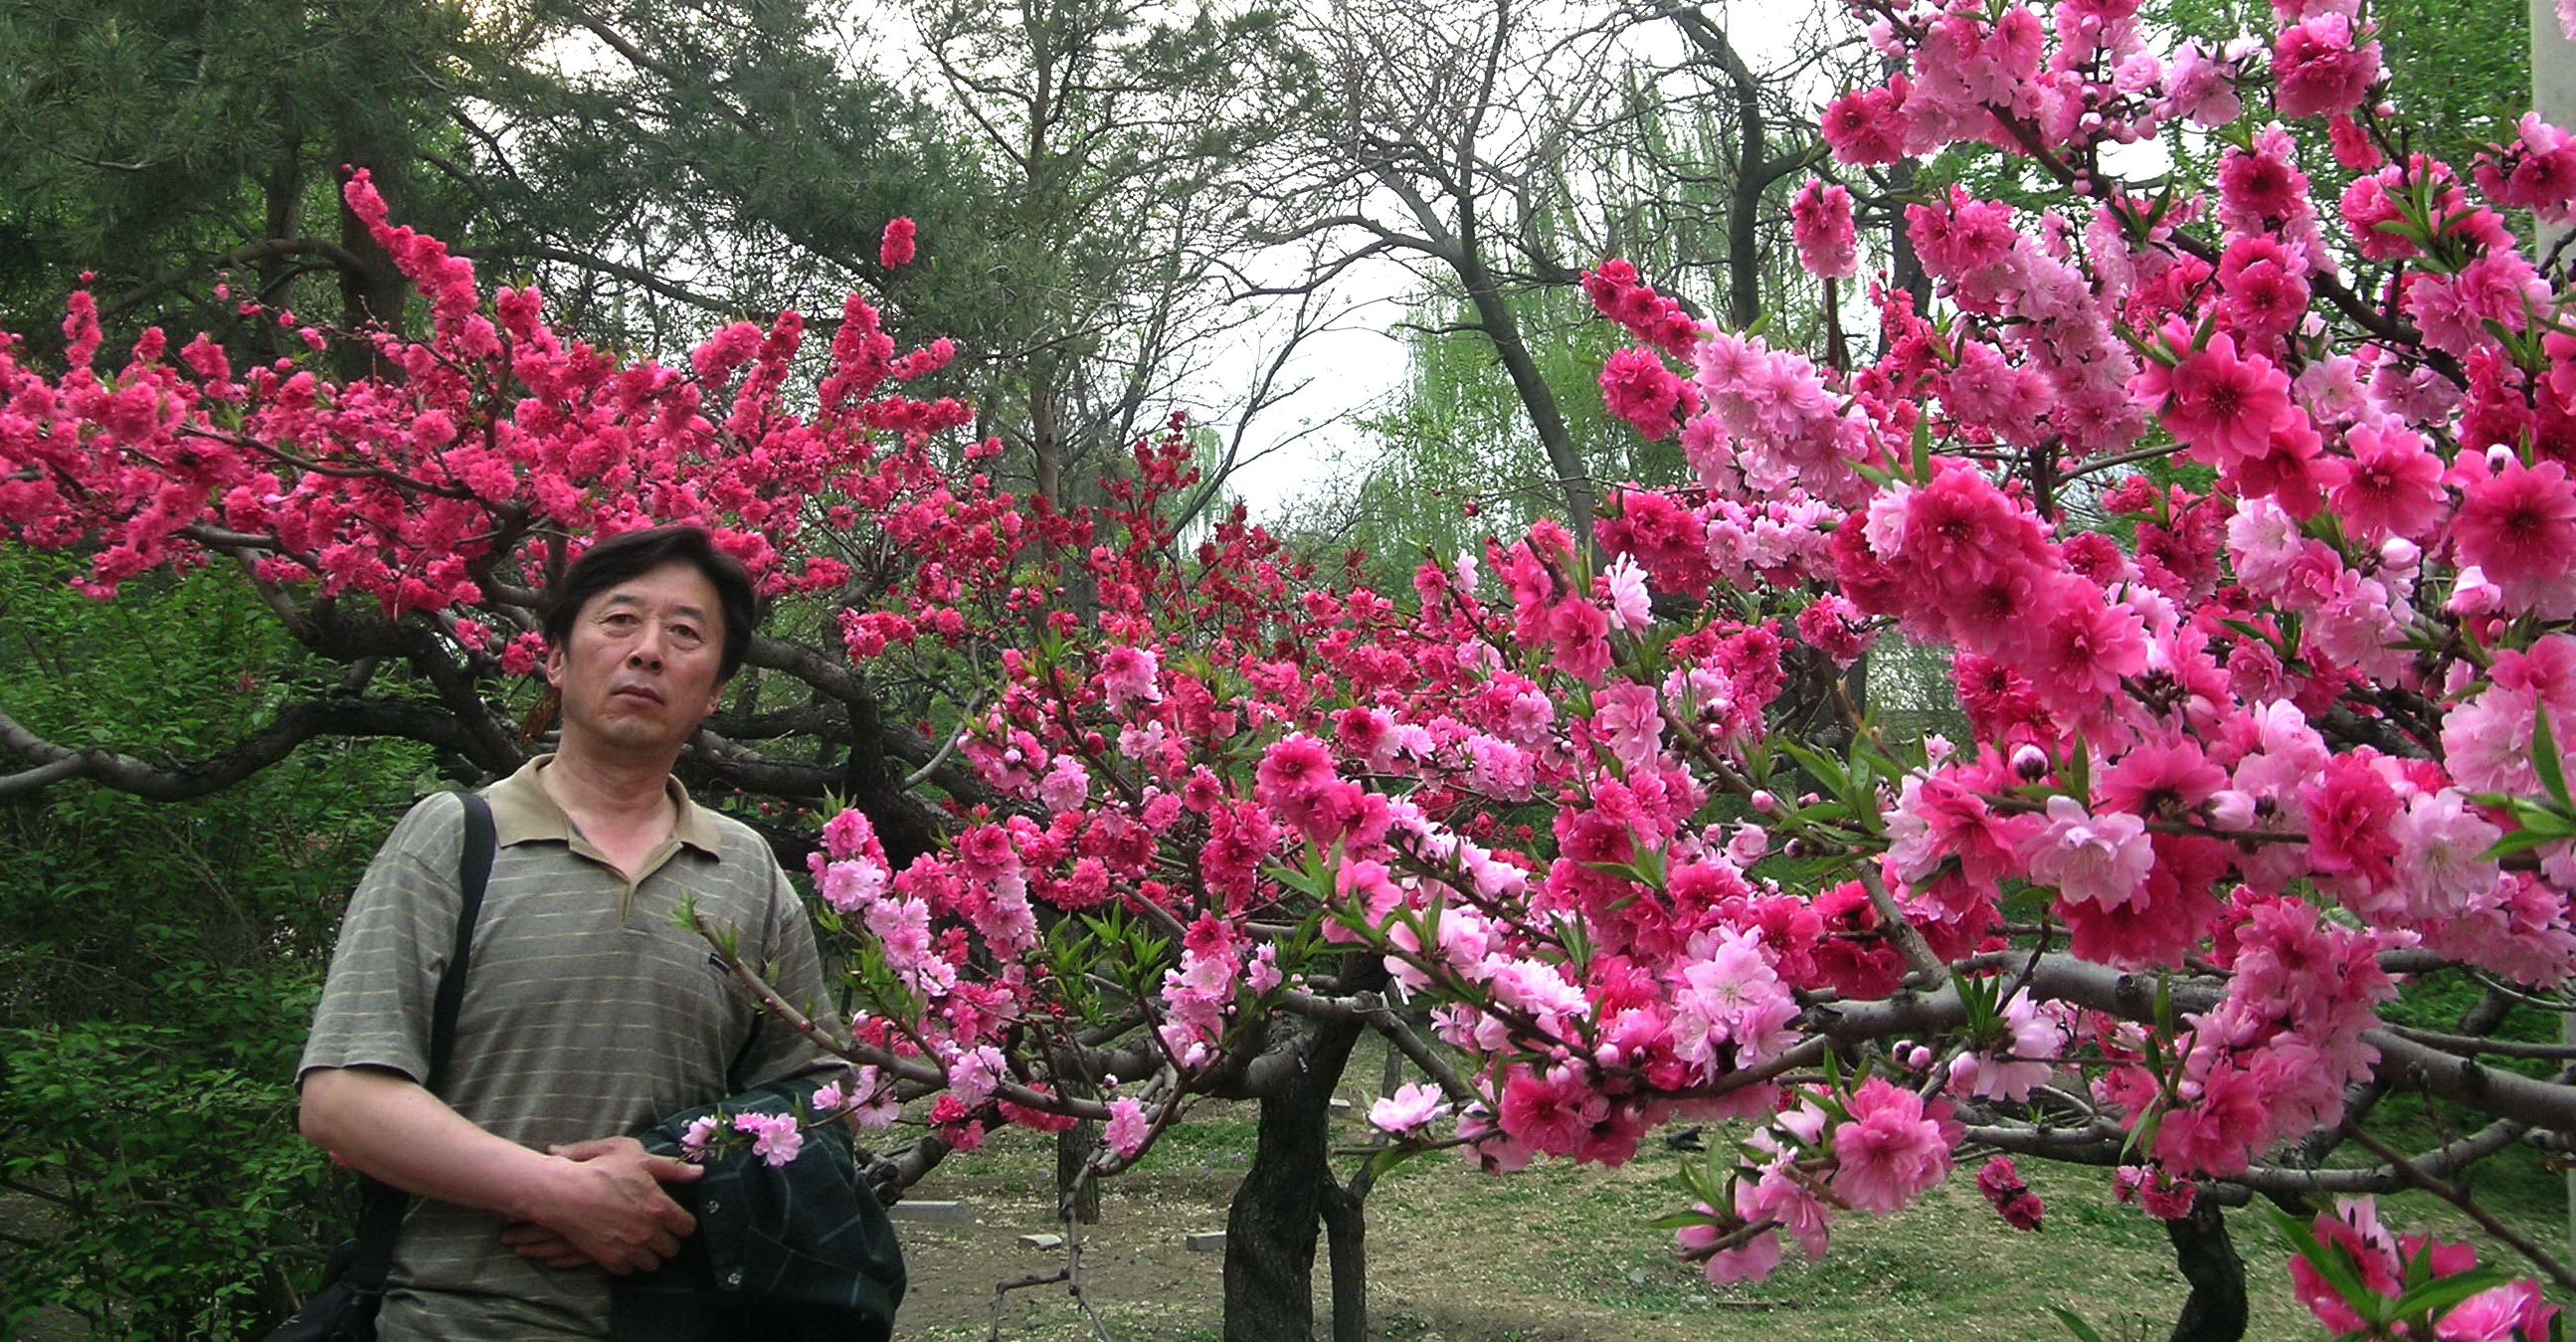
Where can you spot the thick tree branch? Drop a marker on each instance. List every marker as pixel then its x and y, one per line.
pixel 293 726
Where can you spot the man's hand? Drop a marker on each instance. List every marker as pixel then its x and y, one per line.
pixel 609 1209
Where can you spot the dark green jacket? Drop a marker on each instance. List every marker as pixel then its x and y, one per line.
pixel 796 1253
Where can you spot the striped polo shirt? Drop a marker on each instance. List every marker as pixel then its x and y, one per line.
pixel 590 1010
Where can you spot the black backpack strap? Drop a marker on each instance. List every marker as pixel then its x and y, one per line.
pixel 473 870
pixel 381 1213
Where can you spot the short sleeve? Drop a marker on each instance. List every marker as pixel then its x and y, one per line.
pixel 394 943
pixel 779 1049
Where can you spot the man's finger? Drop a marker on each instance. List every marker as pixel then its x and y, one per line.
pixel 593 1148
pixel 671 1170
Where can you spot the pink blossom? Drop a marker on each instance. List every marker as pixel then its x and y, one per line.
pixel 2441 847
pixel 2100 859
pixel 775 1138
pixel 849 835
pixel 2518 525
pixel 852 883
pixel 1638 388
pixel 1127 1129
pixel 1127 677
pixel 1066 784
pixel 1892 1149
pixel 2318 67
pixel 700 1136
pixel 2199 88
pixel 1630 608
pixel 1409 1109
pixel 1820 220
pixel 870 1101
pixel 1868 125
pixel 2394 486
pixel 2223 405
pixel 2012 1199
pixel 896 247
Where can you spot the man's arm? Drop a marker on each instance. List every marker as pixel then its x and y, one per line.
pixel 608 1205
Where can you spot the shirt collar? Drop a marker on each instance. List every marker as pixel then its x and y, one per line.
pixel 522 812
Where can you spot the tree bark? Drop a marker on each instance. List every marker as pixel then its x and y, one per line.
pixel 1077 1198
pixel 1270 1229
pixel 1495 317
pixel 2215 1311
pixel 1346 1236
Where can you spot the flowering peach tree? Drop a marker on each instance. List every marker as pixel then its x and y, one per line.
pixel 2243 516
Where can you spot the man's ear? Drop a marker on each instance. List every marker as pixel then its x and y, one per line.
pixel 715 699
pixel 554 666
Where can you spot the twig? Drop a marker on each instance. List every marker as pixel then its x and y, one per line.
pixel 1001 1289
pixel 1918 952
pixel 2468 1206
pixel 2468 1044
pixel 922 775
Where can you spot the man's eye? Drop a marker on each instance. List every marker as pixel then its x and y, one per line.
pixel 619 620
pixel 681 633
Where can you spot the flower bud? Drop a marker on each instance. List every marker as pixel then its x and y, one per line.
pixel 2399 552
pixel 1766 804
pixel 2030 762
pixel 2472 594
pixel 2231 808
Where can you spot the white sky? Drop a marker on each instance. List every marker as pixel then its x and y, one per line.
pixel 1356 370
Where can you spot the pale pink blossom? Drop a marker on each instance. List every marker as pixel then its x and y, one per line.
pixel 1127 1129
pixel 1409 1109
pixel 775 1138
pixel 2101 859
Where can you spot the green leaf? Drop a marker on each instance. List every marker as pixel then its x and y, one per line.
pixel 2328 1260
pixel 2520 841
pixel 2544 759
pixel 2082 1330
pixel 2438 1296
pixel 1622 870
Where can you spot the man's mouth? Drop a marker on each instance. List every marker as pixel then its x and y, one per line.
pixel 643 692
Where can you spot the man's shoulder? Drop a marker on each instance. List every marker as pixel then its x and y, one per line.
pixel 741 848
pixel 432 830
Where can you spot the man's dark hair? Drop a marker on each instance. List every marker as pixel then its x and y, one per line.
pixel 632 554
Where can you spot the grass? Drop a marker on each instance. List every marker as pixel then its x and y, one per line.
pixel 1557 1253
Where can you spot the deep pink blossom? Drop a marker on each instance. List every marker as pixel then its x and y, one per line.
pixel 1820 221
pixel 1894 1147
pixel 2319 66
pixel 896 247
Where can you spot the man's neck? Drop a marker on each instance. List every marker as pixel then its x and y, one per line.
pixel 624 794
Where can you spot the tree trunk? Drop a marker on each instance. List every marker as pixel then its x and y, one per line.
pixel 1076 1198
pixel 1495 318
pixel 1346 1235
pixel 2215 1312
pixel 1270 1229
pixel 1905 268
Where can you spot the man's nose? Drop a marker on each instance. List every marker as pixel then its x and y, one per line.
pixel 647 652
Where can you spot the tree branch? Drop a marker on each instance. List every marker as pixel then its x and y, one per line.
pixel 293 726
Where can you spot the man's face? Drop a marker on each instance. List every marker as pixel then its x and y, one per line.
pixel 639 673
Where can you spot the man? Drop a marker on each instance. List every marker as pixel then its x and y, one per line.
pixel 589 1012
